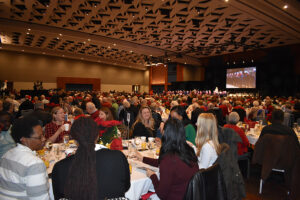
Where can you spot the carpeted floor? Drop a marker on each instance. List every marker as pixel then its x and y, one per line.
pixel 273 188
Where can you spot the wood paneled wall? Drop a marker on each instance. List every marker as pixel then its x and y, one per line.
pixel 62 81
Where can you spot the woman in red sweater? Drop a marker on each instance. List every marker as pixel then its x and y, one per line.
pixel 177 163
pixel 233 119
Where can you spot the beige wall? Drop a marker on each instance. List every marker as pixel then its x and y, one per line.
pixel 23 69
pixel 193 73
pixel 29 85
pixel 126 88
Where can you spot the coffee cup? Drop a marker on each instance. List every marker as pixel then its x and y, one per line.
pixel 143 138
pixel 151 139
pixel 67 127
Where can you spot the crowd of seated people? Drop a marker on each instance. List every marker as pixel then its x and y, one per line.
pixel 186 123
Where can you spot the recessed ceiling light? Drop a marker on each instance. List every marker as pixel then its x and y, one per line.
pixel 57 38
pixel 151 55
pixel 63 55
pixel 89 39
pixel 29 29
pixel 60 34
pixel 27 33
pixel 234 62
pixel 83 42
pixel 226 0
pixel 285 6
pixel 23 50
pixel 131 51
pixel 0 47
pixel 47 6
pixel 185 63
pixel 95 6
pixel 81 58
pixel 44 53
pixel 108 47
pixel 114 44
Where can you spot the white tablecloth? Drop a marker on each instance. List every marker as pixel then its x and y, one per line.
pixel 253 137
pixel 140 183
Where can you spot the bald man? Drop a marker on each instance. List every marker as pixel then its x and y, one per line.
pixel 92 110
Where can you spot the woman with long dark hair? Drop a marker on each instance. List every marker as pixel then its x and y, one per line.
pixel 177 163
pixel 178 112
pixel 90 174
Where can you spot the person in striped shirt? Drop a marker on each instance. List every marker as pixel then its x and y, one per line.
pixel 23 175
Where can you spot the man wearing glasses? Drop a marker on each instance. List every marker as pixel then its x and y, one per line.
pixel 22 174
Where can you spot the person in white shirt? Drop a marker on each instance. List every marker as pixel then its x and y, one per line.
pixel 22 174
pixel 207 144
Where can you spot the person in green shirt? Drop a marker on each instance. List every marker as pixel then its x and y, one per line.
pixel 178 112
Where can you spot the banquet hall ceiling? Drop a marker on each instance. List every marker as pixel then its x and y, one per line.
pixel 131 33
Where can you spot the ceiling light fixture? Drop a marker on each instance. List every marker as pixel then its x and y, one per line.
pixel 226 0
pixel 89 39
pixel 285 6
pixel 114 44
pixel 60 34
pixel 27 33
pixel 44 53
pixel 23 50
pixel 29 29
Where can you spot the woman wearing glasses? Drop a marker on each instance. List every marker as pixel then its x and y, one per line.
pixel 55 130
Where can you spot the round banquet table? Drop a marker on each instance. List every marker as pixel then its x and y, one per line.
pixel 140 183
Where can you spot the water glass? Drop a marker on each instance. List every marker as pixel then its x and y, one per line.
pixel 66 139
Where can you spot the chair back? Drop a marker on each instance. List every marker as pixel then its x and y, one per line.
pixel 274 151
pixel 233 179
pixel 230 137
pixel 26 112
pixel 207 184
